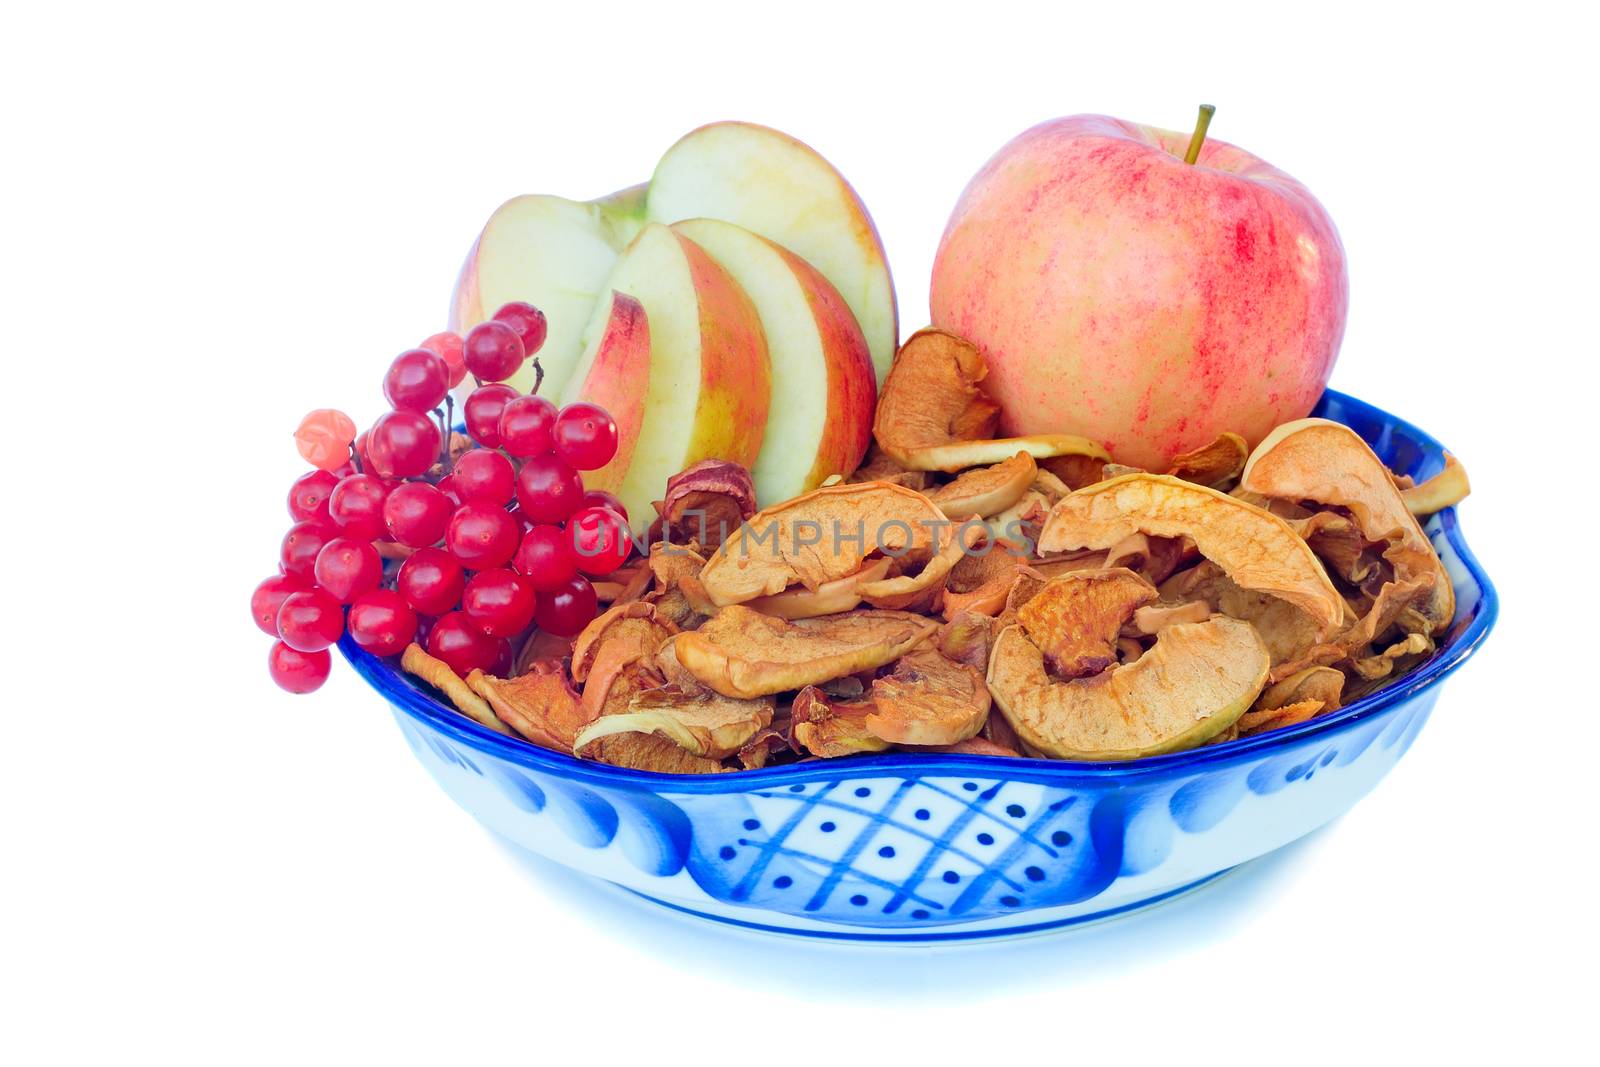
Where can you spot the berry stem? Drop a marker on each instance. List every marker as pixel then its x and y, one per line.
pixel 538 377
pixel 355 459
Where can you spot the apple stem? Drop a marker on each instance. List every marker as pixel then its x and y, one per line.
pixel 1201 124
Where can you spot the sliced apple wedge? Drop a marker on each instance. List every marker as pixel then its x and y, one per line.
pixel 708 386
pixel 617 377
pixel 821 368
pixel 770 183
pixel 554 253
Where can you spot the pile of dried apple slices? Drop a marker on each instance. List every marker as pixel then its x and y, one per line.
pixel 961 592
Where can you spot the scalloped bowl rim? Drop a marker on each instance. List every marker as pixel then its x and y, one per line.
pixel 387 678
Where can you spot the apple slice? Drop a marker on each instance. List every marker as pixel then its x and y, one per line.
pixel 617 377
pixel 708 385
pixel 554 253
pixel 783 190
pixel 821 368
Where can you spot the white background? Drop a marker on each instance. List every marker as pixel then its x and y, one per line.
pixel 216 219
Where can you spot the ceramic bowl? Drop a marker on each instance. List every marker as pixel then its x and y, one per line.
pixel 901 847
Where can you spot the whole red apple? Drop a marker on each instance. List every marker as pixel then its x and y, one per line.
pixel 1121 293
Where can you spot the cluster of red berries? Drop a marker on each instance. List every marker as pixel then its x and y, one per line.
pixel 491 541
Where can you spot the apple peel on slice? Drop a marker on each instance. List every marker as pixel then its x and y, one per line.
pixel 1328 462
pixel 1195 683
pixel 1257 549
pixel 745 654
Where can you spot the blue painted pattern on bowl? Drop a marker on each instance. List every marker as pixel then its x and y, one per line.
pixel 923 847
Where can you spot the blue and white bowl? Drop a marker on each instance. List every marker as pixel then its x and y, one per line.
pixel 902 847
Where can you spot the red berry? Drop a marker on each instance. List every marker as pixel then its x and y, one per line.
pixel 430 581
pixel 324 437
pixel 599 498
pixel 447 486
pixel 362 454
pixel 484 476
pixel 402 444
pixel 300 547
pixel 528 322
pixel 310 620
pixel 545 558
pixel 356 506
pixel 269 596
pixel 308 496
pixel 482 411
pixel 417 381
pixel 493 351
pixel 298 672
pixel 481 536
pixel 567 610
pixel 346 568
pixel 461 645
pixel 499 602
pixel 585 436
pixel 547 489
pixel 601 540
pixel 416 514
pixel 382 622
pixel 526 425
pixel 504 657
pixel 447 346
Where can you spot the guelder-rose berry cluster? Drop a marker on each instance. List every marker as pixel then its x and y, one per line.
pixel 490 540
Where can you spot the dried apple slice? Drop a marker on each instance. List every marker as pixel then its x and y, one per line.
pixel 674 567
pixel 1258 550
pixel 921 591
pixel 703 724
pixel 1076 618
pixel 648 752
pixel 1213 465
pixel 979 581
pixel 933 416
pixel 706 502
pixel 1259 722
pixel 1152 618
pixel 743 653
pixel 878 467
pixel 1444 490
pixel 1075 472
pixel 1315 459
pixel 974 746
pixel 967 638
pixel 1194 684
pixel 928 699
pixel 987 490
pixel 820 537
pixel 637 622
pixel 1321 684
pixel 1291 635
pixel 829 598
pixel 541 705
pixel 830 728
pixel 438 674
